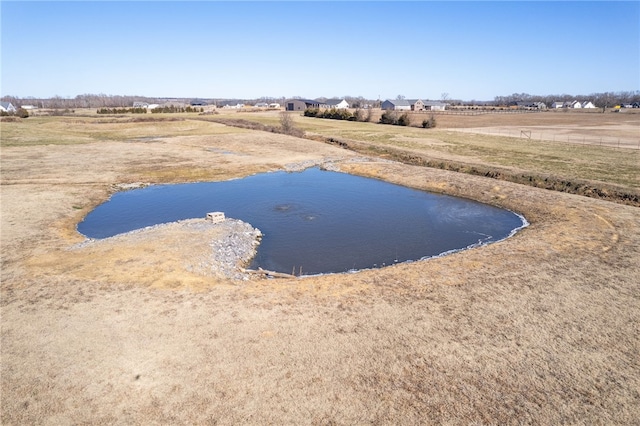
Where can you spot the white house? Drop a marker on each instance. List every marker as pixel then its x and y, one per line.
pixel 261 105
pixel 337 103
pixel 396 105
pixel 588 104
pixel 557 105
pixel 7 107
pixel 572 104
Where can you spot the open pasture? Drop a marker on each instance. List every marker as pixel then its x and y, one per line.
pixel 541 328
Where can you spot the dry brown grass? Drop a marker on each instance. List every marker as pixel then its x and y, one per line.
pixel 576 168
pixel 538 329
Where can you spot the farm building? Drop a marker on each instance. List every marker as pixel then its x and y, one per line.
pixel 588 104
pixel 557 105
pixel 337 103
pixel 274 105
pixel 262 105
pixel 140 105
pixel 302 104
pixel 7 107
pixel 396 105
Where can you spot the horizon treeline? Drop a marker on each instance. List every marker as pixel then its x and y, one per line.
pixel 604 99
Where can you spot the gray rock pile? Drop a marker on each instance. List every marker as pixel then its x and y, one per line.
pixel 235 246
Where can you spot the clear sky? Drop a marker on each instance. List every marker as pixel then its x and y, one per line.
pixel 419 49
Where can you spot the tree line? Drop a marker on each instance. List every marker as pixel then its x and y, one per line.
pixel 159 110
pixel 603 99
pixel 388 117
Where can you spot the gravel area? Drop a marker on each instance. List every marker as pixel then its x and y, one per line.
pixel 211 249
pixel 236 246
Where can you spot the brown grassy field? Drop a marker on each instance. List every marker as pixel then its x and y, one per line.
pixel 541 328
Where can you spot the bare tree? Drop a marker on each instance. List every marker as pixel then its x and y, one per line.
pixel 287 126
pixel 369 116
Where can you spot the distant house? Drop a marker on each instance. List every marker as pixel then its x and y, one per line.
pixel 588 104
pixel 396 105
pixel 530 105
pixel 7 107
pixel 566 104
pixel 140 105
pixel 572 104
pixel 198 102
pixel 262 105
pixel 336 103
pixel 302 104
pixel 416 104
pixel 274 105
pixel 236 106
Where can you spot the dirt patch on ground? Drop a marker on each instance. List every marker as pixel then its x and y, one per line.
pixel 540 328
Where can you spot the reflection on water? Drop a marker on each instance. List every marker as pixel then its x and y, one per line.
pixel 317 221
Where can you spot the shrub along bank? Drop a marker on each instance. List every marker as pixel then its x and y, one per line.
pixel 339 114
pixel 158 110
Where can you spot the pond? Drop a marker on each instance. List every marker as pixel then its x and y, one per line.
pixel 317 221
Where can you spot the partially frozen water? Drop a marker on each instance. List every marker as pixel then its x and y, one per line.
pixel 317 221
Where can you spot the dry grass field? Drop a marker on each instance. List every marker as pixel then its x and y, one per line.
pixel 541 328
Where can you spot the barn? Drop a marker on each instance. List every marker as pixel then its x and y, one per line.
pixel 396 105
pixel 301 104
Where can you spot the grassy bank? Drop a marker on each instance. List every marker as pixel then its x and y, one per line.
pixel 590 170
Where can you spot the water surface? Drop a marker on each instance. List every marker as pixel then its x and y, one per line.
pixel 317 221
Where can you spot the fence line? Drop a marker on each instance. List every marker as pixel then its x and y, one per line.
pixel 604 141
pixel 481 112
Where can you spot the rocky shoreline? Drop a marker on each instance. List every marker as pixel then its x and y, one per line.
pixel 220 249
pixel 235 248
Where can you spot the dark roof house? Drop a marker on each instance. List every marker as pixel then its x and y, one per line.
pixel 301 104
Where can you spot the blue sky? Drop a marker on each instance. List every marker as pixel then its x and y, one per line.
pixel 419 49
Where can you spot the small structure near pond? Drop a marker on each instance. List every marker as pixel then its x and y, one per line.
pixel 215 217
